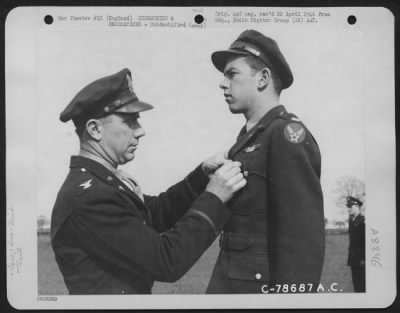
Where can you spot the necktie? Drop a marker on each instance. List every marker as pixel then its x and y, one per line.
pixel 130 183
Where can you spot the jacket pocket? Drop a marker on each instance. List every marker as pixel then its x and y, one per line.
pixel 254 166
pixel 249 266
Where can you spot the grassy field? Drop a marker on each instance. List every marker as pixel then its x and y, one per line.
pixel 195 281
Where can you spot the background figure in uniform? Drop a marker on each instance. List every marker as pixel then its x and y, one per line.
pixel 356 258
pixel 107 236
pixel 276 234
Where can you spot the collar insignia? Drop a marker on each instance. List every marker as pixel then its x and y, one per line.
pixel 87 184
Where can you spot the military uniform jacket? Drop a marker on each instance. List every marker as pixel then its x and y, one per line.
pixel 108 241
pixel 276 233
pixel 357 241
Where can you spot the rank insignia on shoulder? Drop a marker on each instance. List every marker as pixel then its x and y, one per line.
pixel 295 119
pixel 252 148
pixel 294 132
pixel 87 184
pixel 83 187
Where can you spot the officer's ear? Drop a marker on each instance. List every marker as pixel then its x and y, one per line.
pixel 94 129
pixel 264 78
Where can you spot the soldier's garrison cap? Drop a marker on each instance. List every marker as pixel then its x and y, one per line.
pixel 104 96
pixel 253 43
pixel 353 201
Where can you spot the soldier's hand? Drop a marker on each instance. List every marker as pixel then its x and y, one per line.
pixel 213 163
pixel 226 181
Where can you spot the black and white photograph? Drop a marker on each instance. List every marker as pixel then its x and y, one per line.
pixel 200 157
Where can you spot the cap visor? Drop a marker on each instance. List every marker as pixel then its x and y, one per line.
pixel 134 107
pixel 220 58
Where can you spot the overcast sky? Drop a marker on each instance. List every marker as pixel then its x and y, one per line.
pixel 172 70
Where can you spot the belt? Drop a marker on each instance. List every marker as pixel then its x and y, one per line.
pixel 242 242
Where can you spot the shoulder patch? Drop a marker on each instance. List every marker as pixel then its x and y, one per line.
pixel 294 132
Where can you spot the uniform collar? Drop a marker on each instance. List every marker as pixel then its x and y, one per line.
pixel 269 116
pixel 358 219
pixel 264 121
pixel 93 166
pixel 244 137
pixel 107 176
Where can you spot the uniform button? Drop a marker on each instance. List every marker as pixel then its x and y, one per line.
pixel 258 276
pixel 144 222
pixel 245 173
pixel 109 178
pixel 123 291
pixel 83 170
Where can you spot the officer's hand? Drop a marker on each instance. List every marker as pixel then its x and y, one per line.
pixel 226 181
pixel 213 163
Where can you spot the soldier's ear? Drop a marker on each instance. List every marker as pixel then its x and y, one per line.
pixel 94 129
pixel 264 78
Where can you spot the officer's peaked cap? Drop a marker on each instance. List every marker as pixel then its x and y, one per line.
pixel 253 43
pixel 353 201
pixel 104 96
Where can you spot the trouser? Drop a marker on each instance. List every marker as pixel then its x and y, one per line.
pixel 358 276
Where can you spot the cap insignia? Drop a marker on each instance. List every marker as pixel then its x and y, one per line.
pixel 252 51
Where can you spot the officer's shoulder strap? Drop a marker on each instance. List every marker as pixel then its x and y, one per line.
pixel 290 117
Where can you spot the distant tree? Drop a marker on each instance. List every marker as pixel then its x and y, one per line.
pixel 347 186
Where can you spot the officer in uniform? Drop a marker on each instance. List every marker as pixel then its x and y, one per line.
pixel 275 240
pixel 107 236
pixel 356 259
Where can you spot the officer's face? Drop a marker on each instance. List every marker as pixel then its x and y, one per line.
pixel 239 85
pixel 121 137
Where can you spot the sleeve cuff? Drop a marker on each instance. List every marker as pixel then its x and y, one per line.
pixel 197 181
pixel 212 209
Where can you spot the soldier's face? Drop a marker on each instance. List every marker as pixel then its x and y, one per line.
pixel 239 85
pixel 354 210
pixel 121 137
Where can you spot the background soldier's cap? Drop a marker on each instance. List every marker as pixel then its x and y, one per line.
pixel 253 43
pixel 104 96
pixel 353 201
